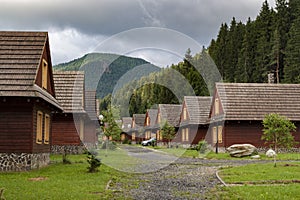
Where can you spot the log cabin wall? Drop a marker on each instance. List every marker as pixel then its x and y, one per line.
pixel 65 136
pixel 16 125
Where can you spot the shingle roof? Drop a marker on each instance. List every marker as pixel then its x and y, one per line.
pixel 69 87
pixel 170 113
pixel 91 105
pixel 250 101
pixel 20 58
pixel 139 119
pixel 198 109
pixel 152 113
pixel 126 123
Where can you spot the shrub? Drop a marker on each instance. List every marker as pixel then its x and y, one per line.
pixel 94 162
pixel 109 145
pixel 202 146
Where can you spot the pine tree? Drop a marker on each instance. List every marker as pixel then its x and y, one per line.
pixel 244 72
pixel 264 26
pixel 292 54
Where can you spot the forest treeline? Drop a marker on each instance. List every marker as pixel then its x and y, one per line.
pixel 269 44
pixel 242 52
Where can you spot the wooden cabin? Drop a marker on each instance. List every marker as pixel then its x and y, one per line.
pixel 137 128
pixel 91 122
pixel 239 108
pixel 168 113
pixel 126 127
pixel 149 124
pixel 27 100
pixel 194 119
pixel 68 126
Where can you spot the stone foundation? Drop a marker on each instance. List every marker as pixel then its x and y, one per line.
pixel 23 161
pixel 68 149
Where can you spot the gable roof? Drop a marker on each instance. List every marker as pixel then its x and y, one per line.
pixel 139 119
pixel 126 123
pixel 91 104
pixel 69 87
pixel 170 113
pixel 252 101
pixel 198 109
pixel 152 114
pixel 20 57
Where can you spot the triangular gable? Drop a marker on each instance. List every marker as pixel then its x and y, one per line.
pixel 46 57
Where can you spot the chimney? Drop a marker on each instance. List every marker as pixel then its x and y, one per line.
pixel 271 78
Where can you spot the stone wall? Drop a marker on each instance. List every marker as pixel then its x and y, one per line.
pixel 68 149
pixel 23 161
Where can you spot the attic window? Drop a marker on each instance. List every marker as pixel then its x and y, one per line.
pixel 148 121
pixel 158 118
pixel 217 106
pixel 44 74
pixel 184 114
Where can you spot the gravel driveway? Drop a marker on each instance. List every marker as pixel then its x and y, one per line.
pixel 185 178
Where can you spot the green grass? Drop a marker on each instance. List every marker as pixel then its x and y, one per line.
pixel 262 172
pixel 61 181
pixel 257 181
pixel 226 156
pixel 276 192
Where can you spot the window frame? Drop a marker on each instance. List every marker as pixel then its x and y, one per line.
pixel 44 74
pixel 39 127
pixel 47 129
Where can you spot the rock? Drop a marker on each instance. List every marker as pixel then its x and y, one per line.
pixel 241 150
pixel 270 153
pixel 255 156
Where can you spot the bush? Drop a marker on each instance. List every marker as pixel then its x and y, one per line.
pixel 94 162
pixel 109 145
pixel 202 146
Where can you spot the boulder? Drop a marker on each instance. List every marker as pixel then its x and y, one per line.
pixel 256 157
pixel 270 153
pixel 241 150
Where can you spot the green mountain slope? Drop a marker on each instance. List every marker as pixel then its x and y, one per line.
pixel 103 71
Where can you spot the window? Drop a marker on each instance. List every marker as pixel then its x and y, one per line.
pixel 220 129
pixel 81 129
pixel 123 137
pixel 158 118
pixel 184 114
pixel 214 135
pixel 39 127
pixel 44 74
pixel 187 134
pixel 159 136
pixel 47 129
pixel 148 121
pixel 133 136
pixel 183 135
pixel 217 106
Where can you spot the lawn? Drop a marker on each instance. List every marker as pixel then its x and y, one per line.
pixel 226 156
pixel 261 181
pixel 179 152
pixel 62 181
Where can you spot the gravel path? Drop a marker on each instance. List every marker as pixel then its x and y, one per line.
pixel 185 178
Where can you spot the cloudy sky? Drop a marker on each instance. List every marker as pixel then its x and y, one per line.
pixel 77 27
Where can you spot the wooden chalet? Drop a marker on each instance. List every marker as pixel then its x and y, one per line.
pixel 68 126
pixel 239 108
pixel 91 122
pixel 27 100
pixel 137 128
pixel 194 119
pixel 126 127
pixel 149 125
pixel 168 113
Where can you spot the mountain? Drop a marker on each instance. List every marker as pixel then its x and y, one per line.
pixel 104 72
